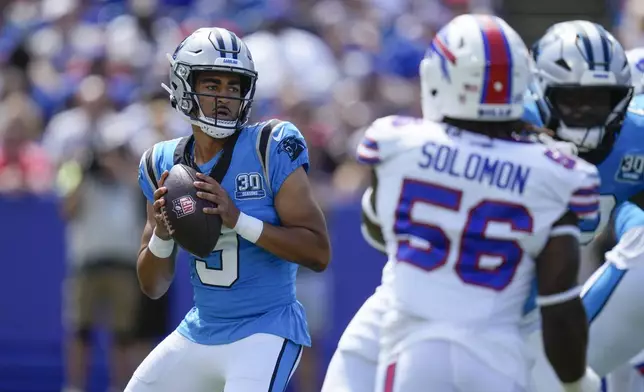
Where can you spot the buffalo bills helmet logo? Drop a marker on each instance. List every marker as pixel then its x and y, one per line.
pixel 292 146
pixel 640 65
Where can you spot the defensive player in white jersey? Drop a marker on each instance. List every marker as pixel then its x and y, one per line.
pixel 353 365
pixel 465 206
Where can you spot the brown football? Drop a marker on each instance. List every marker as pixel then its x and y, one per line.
pixel 193 230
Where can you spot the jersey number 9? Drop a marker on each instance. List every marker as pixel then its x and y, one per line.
pixel 227 272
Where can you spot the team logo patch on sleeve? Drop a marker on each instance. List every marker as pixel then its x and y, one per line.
pixel 249 186
pixel 184 205
pixel 631 168
pixel 292 146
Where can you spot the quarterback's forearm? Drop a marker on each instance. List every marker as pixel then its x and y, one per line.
pixel 299 245
pixel 155 274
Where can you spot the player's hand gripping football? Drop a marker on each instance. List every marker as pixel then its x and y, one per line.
pixel 211 190
pixel 162 229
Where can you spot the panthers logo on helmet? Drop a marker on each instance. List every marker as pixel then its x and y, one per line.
pixel 292 146
pixel 184 205
pixel 174 55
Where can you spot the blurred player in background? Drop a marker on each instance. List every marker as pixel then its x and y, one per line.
pixel 246 330
pixel 97 184
pixel 465 206
pixel 102 212
pixel 585 83
pixel 629 377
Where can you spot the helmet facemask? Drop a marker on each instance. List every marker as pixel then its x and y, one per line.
pixel 209 118
pixel 586 85
pixel 588 116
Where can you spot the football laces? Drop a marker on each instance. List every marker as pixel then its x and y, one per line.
pixel 166 221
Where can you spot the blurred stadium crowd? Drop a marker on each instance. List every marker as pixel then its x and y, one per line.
pixel 80 100
pixel 80 77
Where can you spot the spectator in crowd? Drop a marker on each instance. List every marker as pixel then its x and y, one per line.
pixel 631 25
pixel 103 212
pixel 24 165
pixel 80 81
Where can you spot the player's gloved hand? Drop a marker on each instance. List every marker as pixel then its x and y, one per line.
pixel 559 145
pixel 162 229
pixel 211 190
pixel 590 382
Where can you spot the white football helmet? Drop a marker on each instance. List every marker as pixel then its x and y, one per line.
pixel 586 85
pixel 636 61
pixel 211 49
pixel 476 68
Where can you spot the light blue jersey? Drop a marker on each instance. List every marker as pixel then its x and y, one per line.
pixel 241 289
pixel 622 176
pixel 624 173
pixel 530 110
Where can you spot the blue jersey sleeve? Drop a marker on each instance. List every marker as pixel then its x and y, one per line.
pixel 531 111
pixel 148 173
pixel 627 216
pixel 288 151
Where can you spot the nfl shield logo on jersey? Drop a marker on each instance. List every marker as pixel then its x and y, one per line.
pixel 184 205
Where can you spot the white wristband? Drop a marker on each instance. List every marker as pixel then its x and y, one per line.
pixel 559 298
pixel 159 247
pixel 248 227
pixel 558 231
pixel 590 382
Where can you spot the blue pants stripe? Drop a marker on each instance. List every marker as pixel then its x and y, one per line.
pixel 600 292
pixel 286 361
